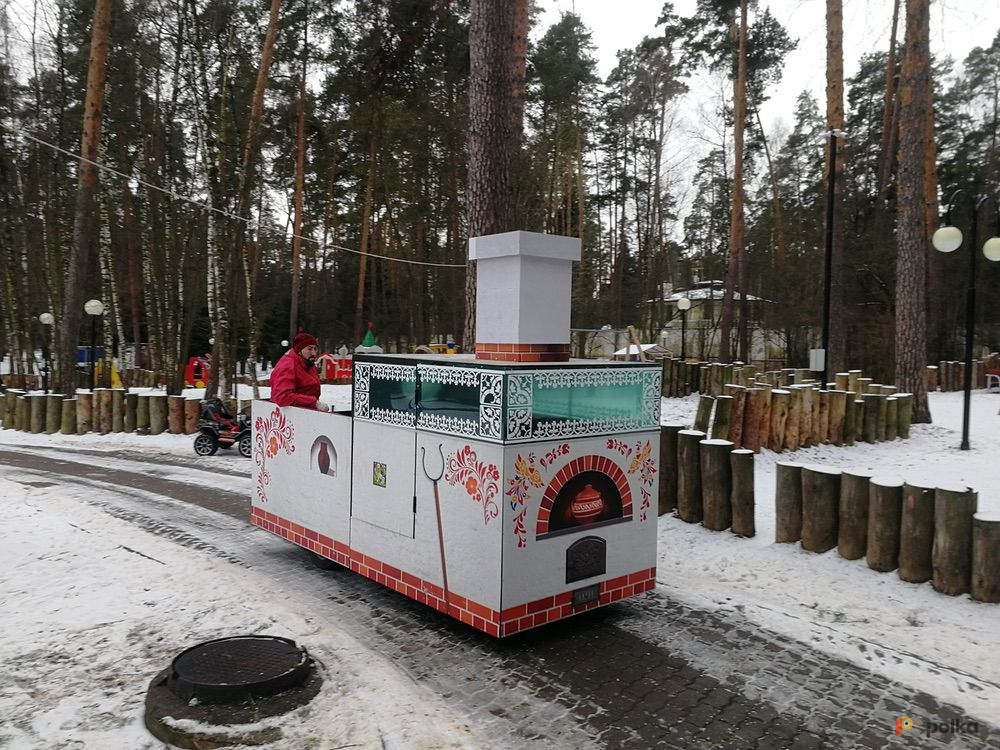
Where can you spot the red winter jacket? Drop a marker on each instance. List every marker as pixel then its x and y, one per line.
pixel 293 382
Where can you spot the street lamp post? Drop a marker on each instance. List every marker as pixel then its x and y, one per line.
pixel 94 308
pixel 684 304
pixel 831 185
pixel 948 239
pixel 47 320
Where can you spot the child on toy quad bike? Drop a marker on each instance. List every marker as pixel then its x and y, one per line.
pixel 217 428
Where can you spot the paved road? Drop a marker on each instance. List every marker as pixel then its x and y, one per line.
pixel 646 673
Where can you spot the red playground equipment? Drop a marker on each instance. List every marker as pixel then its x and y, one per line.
pixel 197 371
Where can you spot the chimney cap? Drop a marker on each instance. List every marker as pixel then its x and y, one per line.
pixel 524 244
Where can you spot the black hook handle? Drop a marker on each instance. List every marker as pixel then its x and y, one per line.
pixel 423 463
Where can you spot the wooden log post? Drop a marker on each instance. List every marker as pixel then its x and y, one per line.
pixel 916 534
pixel 852 519
pixel 852 381
pixel 791 438
pixel 53 413
pixel 37 407
pixel 838 415
pixel 23 413
pixel 716 484
pixel 951 553
pixel 904 414
pixel 805 417
pixel 703 416
pixel 95 409
pixel 780 399
pixel 105 407
pixel 68 424
pixel 720 421
pixel 891 418
pixel 752 412
pixel 932 378
pixel 142 414
pixel 131 406
pixel 816 437
pixel 764 430
pixel 175 414
pixel 823 431
pixel 157 413
pixel 869 424
pixel 787 502
pixel 863 384
pixel 881 415
pixel 985 585
pixel 841 380
pixel 667 497
pixel 885 510
pixel 118 410
pixel 665 376
pixel 820 497
pixel 192 413
pixel 84 411
pixel 742 498
pixel 852 413
pixel 10 410
pixel 736 412
pixel 689 506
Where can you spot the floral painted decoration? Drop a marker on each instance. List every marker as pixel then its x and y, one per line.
pixel 525 477
pixel 478 477
pixel 271 434
pixel 646 466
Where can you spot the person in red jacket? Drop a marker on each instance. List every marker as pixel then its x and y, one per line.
pixel 295 379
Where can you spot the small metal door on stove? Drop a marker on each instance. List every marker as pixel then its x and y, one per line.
pixel 384 473
pixel 586 558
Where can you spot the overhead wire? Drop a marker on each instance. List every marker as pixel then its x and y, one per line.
pixel 222 212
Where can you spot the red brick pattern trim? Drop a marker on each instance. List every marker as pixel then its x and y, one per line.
pixel 489 621
pixel 523 352
pixel 468 611
pixel 552 608
pixel 585 463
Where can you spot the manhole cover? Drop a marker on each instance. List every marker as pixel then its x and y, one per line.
pixel 231 669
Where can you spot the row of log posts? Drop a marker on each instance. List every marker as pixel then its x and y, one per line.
pixel 714 482
pixel 950 375
pixel 800 416
pixel 925 533
pixel 102 410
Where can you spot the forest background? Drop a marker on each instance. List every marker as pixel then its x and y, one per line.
pixel 237 201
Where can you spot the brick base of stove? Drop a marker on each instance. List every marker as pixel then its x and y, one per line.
pixel 490 621
pixel 523 352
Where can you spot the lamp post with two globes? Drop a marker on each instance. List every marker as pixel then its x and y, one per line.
pixel 948 239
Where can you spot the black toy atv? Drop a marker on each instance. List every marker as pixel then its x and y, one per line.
pixel 217 428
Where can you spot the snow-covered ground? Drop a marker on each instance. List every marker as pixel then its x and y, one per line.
pixel 93 607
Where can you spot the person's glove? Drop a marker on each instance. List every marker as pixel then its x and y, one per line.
pixel 320 406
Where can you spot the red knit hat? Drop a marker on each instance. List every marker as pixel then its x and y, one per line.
pixel 302 340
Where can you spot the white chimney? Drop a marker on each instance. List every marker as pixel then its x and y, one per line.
pixel 524 286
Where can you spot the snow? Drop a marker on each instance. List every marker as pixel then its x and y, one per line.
pixel 93 607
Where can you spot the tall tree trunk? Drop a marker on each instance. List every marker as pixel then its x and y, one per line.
pixel 736 216
pixel 87 182
pixel 889 102
pixel 837 355
pixel 246 170
pixel 366 212
pixel 300 181
pixel 494 94
pixel 911 288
